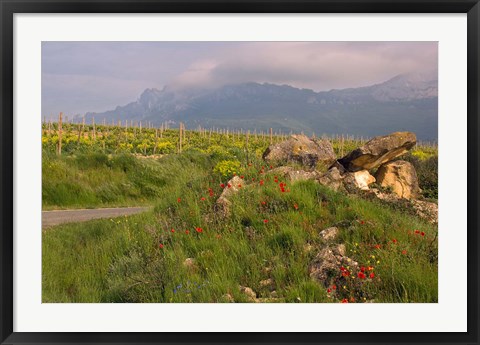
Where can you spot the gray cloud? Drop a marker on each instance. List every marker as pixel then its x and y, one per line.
pixel 96 76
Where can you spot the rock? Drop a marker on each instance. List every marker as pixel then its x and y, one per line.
pixel 326 265
pixel 379 150
pixel 227 298
pixel 426 210
pixel 332 179
pixel 232 187
pixel 358 180
pixel 294 175
pixel 248 291
pixel 267 283
pixel 329 234
pixel 189 263
pixel 340 250
pixel 401 177
pixel 303 150
pixel 274 294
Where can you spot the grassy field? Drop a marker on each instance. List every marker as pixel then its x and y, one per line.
pixel 185 251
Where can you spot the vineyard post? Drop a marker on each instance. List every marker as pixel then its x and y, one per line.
pixel 180 138
pixel 93 129
pixel 271 136
pixel 60 134
pixel 104 122
pixel 156 141
pixel 246 145
pixel 140 126
pixel 161 131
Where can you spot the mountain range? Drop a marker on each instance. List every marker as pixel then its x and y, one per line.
pixel 404 103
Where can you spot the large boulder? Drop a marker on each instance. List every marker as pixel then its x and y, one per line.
pixel 379 150
pixel 333 179
pixel 401 177
pixel 303 150
pixel 357 180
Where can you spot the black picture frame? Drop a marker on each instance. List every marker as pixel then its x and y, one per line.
pixel 10 7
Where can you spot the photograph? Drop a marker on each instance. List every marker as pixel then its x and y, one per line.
pixel 239 171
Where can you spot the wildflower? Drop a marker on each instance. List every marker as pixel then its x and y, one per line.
pixel 362 269
pixel 417 231
pixel 404 252
pixel 160 246
pixel 202 198
pixel 173 230
pixel 370 268
pixel 329 290
pixel 422 233
pixel 344 300
pixel 222 185
pixel 264 202
pixel 229 185
pixel 261 182
pixel 372 275
pixel 241 177
pixel 334 287
pixel 265 221
pixel 239 186
pixel 187 231
pixel 361 275
pixel 377 246
pixel 199 230
pixel 179 199
pixel 295 206
pixel 394 241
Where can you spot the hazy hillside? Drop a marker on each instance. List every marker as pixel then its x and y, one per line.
pixel 403 103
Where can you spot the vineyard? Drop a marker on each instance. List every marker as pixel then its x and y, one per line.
pixel 185 251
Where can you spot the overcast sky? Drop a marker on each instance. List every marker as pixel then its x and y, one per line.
pixel 97 76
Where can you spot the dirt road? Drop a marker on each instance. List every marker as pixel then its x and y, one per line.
pixel 51 218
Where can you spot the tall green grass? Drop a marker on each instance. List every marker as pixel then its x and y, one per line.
pixel 269 234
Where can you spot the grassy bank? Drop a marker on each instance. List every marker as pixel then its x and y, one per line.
pixel 267 243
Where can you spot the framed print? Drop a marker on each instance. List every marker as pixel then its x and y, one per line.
pixel 242 172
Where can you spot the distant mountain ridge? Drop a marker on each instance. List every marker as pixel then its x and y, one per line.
pixel 405 102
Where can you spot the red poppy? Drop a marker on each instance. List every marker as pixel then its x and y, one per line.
pixel 187 231
pixel 173 230
pixel 295 206
pixel 377 246
pixel 179 200
pixel 404 252
pixel 372 275
pixel 264 202
pixel 344 300
pixel 199 230
pixel 239 186
pixel 271 167
pixel 334 287
pixel 229 185
pixel 370 268
pixel 417 231
pixel 241 177
pixel 422 233
pixel 160 246
pixel 394 241
pixel 265 221
pixel 362 269
pixel 222 185
pixel 361 275
pixel 203 199
pixel 328 290
pixel 345 273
